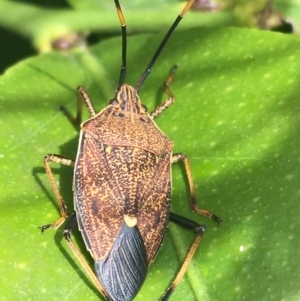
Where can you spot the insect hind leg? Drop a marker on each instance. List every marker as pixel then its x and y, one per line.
pixel 181 157
pixel 198 229
pixel 72 222
pixel 170 100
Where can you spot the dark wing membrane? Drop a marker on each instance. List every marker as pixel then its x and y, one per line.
pixel 125 269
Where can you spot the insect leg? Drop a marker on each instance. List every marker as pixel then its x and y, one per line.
pixel 72 222
pixel 181 157
pixel 82 95
pixel 62 206
pixel 198 229
pixel 169 101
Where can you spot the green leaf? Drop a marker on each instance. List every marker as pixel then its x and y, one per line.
pixel 236 116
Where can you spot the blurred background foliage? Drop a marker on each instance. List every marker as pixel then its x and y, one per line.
pixel 36 24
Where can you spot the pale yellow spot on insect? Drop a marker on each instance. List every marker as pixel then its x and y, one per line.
pixel 207 53
pixel 241 104
pixel 289 177
pixel 108 149
pixel 130 221
pixel 291 57
pixel 266 75
pixel 94 189
pixel 229 88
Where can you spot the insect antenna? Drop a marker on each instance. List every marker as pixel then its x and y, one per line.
pixel 124 44
pixel 162 45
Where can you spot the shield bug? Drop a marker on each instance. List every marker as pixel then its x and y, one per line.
pixel 122 186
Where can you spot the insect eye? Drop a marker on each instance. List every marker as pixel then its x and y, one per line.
pixel 143 109
pixel 113 102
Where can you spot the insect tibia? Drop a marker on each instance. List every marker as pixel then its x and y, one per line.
pixel 54 225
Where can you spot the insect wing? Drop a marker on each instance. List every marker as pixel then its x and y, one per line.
pixel 125 270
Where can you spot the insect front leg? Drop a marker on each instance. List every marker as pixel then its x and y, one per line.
pixel 82 96
pixel 61 204
pixel 181 157
pixel 198 229
pixel 72 222
pixel 169 101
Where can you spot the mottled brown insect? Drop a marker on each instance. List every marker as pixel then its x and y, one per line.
pixel 122 186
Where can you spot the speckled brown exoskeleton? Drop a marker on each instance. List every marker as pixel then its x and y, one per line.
pixel 122 186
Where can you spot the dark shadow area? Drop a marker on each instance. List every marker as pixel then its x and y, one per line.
pixel 285 27
pixel 47 3
pixel 11 44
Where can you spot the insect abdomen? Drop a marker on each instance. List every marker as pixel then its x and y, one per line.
pixel 123 272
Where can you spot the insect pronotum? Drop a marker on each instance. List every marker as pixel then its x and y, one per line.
pixel 122 185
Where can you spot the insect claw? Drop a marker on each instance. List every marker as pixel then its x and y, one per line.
pixel 174 68
pixel 206 213
pixel 45 227
pixel 216 219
